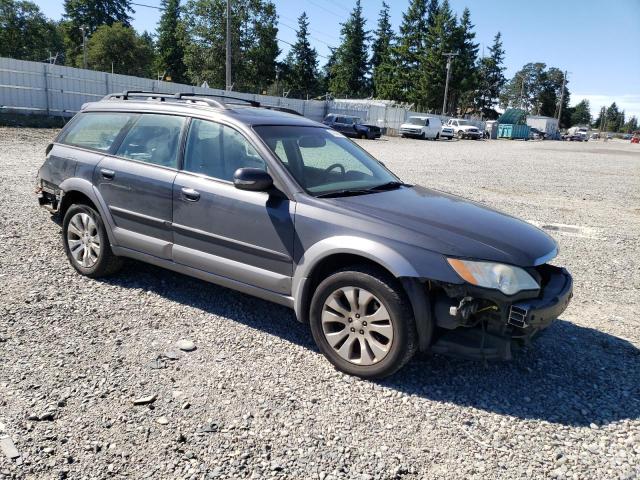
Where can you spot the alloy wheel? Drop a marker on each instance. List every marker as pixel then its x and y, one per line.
pixel 357 326
pixel 83 239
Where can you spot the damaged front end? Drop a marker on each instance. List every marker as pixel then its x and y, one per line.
pixel 483 323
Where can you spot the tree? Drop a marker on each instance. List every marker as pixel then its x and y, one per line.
pixel 25 33
pixel 408 52
pixel 613 118
pixel 350 72
pixel 463 83
pixel 253 43
pixel 381 57
pixel 119 47
pixel 90 14
pixel 302 62
pixel 261 46
pixel 538 91
pixel 491 78
pixel 581 113
pixel 170 60
pixel 441 39
pixel 631 126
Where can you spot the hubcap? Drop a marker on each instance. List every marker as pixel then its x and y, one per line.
pixel 357 325
pixel 83 239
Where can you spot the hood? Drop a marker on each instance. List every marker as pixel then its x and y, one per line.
pixel 452 226
pixel 468 127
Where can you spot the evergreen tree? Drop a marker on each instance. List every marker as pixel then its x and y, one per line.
pixel 170 43
pixel 409 52
pixel 441 39
pixel 612 116
pixel 491 78
pixel 463 83
pixel 381 58
pixel 302 62
pixel 351 69
pixel 631 126
pixel 581 113
pixel 25 33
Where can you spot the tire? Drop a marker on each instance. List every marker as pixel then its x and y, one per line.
pixel 437 137
pixel 79 224
pixel 460 134
pixel 423 136
pixel 364 349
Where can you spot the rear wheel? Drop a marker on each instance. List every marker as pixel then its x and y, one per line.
pixel 423 136
pixel 437 136
pixel 460 134
pixel 362 322
pixel 86 243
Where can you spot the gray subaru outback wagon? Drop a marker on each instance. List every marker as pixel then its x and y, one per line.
pixel 284 208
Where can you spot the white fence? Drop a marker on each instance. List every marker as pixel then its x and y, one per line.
pixel 41 88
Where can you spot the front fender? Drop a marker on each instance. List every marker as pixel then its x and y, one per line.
pixel 401 260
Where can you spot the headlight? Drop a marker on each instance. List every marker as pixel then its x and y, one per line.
pixel 506 278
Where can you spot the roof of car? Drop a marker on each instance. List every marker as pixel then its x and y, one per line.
pixel 246 114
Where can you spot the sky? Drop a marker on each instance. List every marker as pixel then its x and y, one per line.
pixel 596 42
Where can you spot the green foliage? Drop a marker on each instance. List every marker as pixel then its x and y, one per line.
pixel 464 80
pixel 581 113
pixel 538 91
pixel 90 14
pixel 119 46
pixel 25 33
pixel 253 43
pixel 382 60
pixel 349 75
pixel 443 37
pixel 491 78
pixel 402 76
pixel 170 59
pixel 301 64
pixel 631 126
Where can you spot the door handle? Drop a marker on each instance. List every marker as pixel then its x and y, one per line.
pixel 190 194
pixel 107 174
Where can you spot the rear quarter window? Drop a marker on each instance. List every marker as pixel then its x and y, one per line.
pixel 96 131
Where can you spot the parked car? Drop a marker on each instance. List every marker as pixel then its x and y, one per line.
pixel 352 126
pixel 464 128
pixel 535 134
pixel 284 208
pixel 421 127
pixel 446 132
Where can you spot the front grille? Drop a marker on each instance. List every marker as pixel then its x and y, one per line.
pixel 518 316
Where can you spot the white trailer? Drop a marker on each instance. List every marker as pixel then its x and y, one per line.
pixel 547 125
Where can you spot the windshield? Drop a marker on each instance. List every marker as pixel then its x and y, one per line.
pixel 324 161
pixel 463 122
pixel 416 121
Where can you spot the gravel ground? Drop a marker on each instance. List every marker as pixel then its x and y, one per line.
pixel 256 399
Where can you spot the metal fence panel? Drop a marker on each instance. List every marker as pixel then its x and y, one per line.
pixel 34 87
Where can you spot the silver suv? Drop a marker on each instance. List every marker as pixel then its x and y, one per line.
pixel 284 208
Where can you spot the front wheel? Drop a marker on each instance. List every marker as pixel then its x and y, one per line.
pixel 86 242
pixel 361 321
pixel 460 134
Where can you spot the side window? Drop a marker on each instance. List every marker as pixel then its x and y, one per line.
pixel 341 120
pixel 153 139
pixel 96 131
pixel 218 151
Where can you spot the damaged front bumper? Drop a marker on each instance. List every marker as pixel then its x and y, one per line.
pixel 485 324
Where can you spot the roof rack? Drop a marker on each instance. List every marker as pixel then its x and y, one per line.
pixel 196 97
pixel 201 97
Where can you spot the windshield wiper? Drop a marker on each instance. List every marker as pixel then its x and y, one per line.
pixel 361 191
pixel 387 186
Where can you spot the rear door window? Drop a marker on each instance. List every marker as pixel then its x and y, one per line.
pixel 153 139
pixel 96 131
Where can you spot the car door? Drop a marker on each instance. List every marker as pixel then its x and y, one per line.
pixel 238 234
pixel 136 183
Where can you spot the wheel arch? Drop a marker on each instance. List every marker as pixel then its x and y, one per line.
pixel 77 190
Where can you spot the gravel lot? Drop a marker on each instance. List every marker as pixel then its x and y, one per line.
pixel 256 399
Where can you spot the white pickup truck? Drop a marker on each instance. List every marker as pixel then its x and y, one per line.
pixel 464 128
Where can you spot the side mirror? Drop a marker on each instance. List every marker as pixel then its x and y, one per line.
pixel 253 179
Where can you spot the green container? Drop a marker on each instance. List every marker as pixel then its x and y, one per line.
pixel 511 131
